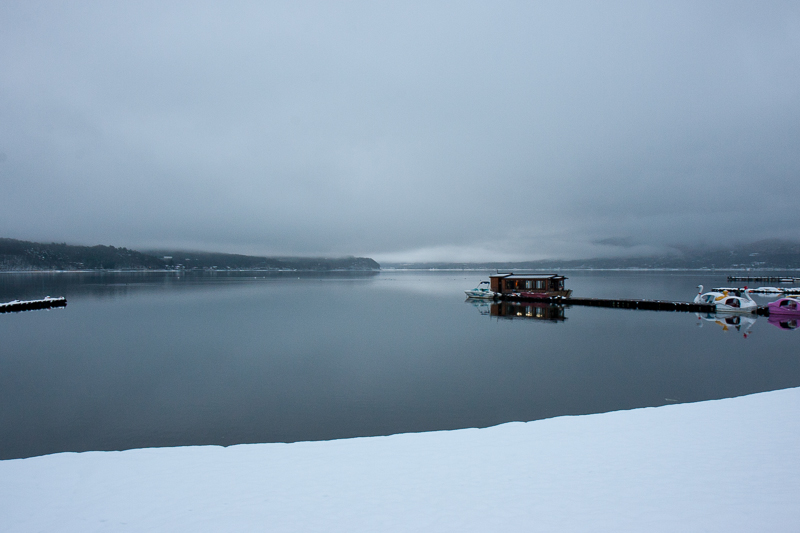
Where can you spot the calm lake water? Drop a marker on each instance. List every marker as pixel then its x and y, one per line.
pixel 141 360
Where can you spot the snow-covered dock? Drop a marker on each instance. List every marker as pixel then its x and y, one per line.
pixel 781 279
pixel 30 305
pixel 760 290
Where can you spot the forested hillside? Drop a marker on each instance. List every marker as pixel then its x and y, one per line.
pixel 18 255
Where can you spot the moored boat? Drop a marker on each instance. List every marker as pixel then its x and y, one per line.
pixel 710 297
pixel 785 307
pixel 726 301
pixel 482 291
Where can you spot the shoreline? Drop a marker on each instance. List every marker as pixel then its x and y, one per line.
pixel 719 465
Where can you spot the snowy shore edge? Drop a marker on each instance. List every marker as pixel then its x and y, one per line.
pixel 723 465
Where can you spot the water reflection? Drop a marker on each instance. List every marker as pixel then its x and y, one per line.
pixel 154 360
pixel 483 306
pixel 528 310
pixel 783 322
pixel 733 322
pixel 523 310
pixel 119 285
pixel 728 321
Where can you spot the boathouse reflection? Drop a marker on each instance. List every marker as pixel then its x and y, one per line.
pixel 530 310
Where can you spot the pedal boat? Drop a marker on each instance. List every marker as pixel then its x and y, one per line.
pixel 726 301
pixel 788 307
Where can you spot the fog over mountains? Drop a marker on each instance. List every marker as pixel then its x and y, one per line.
pixel 767 255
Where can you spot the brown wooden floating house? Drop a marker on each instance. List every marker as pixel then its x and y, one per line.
pixel 529 285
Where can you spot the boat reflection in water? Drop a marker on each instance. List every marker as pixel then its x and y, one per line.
pixel 531 310
pixel 728 321
pixel 482 305
pixel 783 322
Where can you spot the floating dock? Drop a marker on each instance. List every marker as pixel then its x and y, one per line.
pixel 31 305
pixel 779 279
pixel 651 305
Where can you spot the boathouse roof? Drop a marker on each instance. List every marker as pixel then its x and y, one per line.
pixel 511 275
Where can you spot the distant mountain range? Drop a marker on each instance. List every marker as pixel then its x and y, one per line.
pixel 23 255
pixel 767 254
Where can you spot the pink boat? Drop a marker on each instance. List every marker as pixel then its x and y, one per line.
pixel 784 313
pixel 788 307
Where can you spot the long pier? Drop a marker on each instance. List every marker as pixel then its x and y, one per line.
pixel 31 305
pixel 779 279
pixel 650 305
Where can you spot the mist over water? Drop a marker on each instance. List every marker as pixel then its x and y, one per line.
pixel 140 360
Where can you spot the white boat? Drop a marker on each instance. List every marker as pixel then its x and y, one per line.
pixel 708 297
pixel 481 291
pixel 727 301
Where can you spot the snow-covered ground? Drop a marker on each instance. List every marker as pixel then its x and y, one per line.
pixel 727 465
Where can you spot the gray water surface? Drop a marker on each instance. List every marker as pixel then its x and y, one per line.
pixel 161 359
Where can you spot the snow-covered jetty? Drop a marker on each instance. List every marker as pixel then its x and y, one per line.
pixel 782 279
pixel 30 305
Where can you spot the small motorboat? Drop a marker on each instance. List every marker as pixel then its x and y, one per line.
pixel 789 307
pixel 727 301
pixel 482 291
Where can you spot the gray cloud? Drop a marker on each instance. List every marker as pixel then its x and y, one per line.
pixel 400 130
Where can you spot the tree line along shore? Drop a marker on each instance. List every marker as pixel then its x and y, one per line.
pixel 16 255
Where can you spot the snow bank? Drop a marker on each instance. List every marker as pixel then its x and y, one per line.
pixel 727 465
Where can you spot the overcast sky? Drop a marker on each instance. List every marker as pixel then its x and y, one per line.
pixel 400 130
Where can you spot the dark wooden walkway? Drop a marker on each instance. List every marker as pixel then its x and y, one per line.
pixel 650 305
